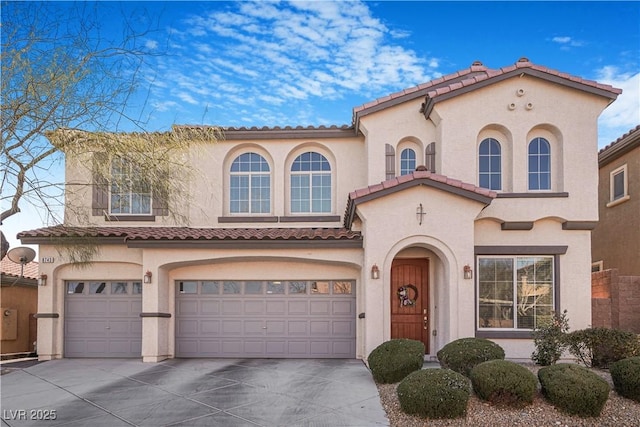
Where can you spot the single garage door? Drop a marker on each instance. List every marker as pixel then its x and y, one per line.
pixel 280 319
pixel 102 319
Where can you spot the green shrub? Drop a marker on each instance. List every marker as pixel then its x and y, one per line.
pixel 463 354
pixel 574 389
pixel 504 383
pixel 393 360
pixel 550 339
pixel 625 374
pixel 599 347
pixel 434 393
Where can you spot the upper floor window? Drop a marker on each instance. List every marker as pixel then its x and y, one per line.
pixel 250 184
pixel 130 193
pixel 618 185
pixel 407 161
pixel 310 184
pixel 490 164
pixel 539 164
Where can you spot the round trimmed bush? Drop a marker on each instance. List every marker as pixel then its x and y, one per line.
pixel 464 354
pixel 574 389
pixel 504 383
pixel 393 360
pixel 434 393
pixel 625 374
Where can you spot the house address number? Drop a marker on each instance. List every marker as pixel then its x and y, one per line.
pixel 47 259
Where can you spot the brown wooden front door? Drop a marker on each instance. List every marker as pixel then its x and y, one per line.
pixel 410 300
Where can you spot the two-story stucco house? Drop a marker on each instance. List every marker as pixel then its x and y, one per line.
pixel 616 240
pixel 460 207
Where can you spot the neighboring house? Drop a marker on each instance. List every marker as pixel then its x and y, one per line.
pixel 615 242
pixel 460 207
pixel 19 301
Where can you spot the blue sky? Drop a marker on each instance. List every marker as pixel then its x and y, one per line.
pixel 310 63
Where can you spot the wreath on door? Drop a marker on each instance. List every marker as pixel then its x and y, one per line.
pixel 404 295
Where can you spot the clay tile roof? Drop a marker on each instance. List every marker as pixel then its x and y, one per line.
pixel 128 234
pixel 420 175
pixel 12 269
pixel 622 145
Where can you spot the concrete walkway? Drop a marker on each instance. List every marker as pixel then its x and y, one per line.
pixel 191 392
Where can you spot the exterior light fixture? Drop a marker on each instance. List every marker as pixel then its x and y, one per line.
pixel 147 277
pixel 468 272
pixel 375 272
pixel 42 280
pixel 420 213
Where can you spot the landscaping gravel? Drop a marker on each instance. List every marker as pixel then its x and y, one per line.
pixel 618 412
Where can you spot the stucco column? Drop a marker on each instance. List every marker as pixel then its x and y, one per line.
pixel 155 313
pixel 50 315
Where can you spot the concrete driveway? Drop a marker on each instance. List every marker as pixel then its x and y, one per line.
pixel 191 392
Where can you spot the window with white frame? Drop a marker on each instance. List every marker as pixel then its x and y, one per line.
pixel 490 164
pixel 407 161
pixel 310 184
pixel 539 164
pixel 515 292
pixel 130 193
pixel 250 185
pixel 618 184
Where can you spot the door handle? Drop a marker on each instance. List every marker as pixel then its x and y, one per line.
pixel 425 322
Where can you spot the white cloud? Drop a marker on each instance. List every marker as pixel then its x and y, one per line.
pixel 276 53
pixel 624 113
pixel 151 44
pixel 561 40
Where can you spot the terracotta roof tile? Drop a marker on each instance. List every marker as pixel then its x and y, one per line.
pixel 188 233
pixel 11 268
pixel 417 175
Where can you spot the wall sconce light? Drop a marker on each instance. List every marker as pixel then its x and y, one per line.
pixel 42 280
pixel 375 272
pixel 147 277
pixel 420 213
pixel 468 272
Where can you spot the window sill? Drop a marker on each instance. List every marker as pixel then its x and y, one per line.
pixel 236 219
pixel 310 218
pixel 618 201
pixel 118 218
pixel 531 195
pixel 508 334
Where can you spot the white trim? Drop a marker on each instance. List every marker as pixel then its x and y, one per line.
pixel 612 201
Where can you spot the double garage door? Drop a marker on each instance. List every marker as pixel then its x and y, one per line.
pixel 102 319
pixel 279 319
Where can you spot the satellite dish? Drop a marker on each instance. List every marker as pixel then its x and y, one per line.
pixel 21 255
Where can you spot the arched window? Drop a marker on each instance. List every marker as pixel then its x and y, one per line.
pixel 490 169
pixel 407 161
pixel 310 184
pixel 539 164
pixel 250 187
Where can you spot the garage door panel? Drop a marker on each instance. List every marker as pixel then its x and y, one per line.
pixel 341 307
pixel 276 307
pixel 319 327
pixel 321 308
pixel 209 307
pixel 209 327
pixel 232 327
pixel 298 307
pixel 187 327
pixel 232 307
pixel 342 328
pixel 253 327
pixel 187 307
pixel 253 307
pixel 104 324
pixel 298 323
